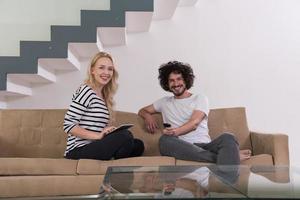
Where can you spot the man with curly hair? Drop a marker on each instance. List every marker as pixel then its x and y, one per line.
pixel 185 116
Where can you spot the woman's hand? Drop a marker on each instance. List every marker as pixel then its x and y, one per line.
pixel 98 136
pixel 107 130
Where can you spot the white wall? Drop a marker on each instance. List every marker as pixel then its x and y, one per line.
pixel 244 53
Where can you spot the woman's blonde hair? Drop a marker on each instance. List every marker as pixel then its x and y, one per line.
pixel 110 88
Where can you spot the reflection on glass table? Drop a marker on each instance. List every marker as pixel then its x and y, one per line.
pixel 208 181
pixel 174 182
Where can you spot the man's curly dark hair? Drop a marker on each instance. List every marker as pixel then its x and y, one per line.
pixel 176 67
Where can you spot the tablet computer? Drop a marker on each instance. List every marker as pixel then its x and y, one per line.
pixel 122 127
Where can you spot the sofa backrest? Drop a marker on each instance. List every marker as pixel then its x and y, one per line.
pixel 39 133
pixel 232 120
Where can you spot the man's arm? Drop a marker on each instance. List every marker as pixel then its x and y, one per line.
pixel 150 121
pixel 189 126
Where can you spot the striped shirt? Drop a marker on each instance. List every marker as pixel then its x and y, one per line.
pixel 88 111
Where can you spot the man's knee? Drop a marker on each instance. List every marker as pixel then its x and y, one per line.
pixel 229 138
pixel 165 142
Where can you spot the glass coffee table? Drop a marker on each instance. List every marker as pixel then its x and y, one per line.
pixel 196 182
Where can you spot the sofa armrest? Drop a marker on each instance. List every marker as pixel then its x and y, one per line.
pixel 273 144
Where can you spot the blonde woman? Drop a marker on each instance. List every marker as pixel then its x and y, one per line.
pixel 90 114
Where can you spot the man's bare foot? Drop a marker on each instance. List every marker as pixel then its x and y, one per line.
pixel 245 154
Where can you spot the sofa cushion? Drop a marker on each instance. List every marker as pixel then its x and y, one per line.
pixel 231 120
pixel 37 166
pixel 32 133
pixel 88 166
pixel 31 186
pixel 261 159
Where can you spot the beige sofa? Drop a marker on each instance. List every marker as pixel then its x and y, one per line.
pixel 32 144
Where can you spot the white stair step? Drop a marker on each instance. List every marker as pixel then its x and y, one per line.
pixel 138 21
pixel 99 43
pixel 6 96
pixel 30 80
pixel 18 88
pixel 164 9
pixel 112 36
pixel 73 57
pixel 85 50
pixel 58 65
pixel 19 85
pixel 187 2
pixel 13 91
pixel 3 103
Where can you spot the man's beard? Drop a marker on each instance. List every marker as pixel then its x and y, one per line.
pixel 177 94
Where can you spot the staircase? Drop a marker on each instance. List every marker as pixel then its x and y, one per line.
pixel 40 61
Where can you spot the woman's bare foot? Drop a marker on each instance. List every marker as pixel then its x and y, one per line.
pixel 245 154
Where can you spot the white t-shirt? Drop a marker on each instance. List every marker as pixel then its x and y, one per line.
pixel 177 112
pixel 201 175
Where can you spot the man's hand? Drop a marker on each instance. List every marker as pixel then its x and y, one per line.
pixel 168 188
pixel 169 131
pixel 151 124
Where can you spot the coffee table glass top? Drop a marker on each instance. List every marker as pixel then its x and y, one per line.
pixel 211 181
